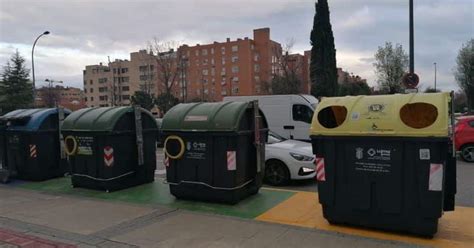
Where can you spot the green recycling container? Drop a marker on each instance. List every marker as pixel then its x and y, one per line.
pixel 33 146
pixel 214 151
pixel 386 161
pixel 110 148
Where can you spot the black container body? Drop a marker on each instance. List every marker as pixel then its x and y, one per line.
pixel 108 160
pixel 384 182
pixel 35 155
pixel 203 173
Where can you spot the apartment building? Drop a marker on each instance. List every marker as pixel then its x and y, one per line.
pixel 67 97
pixel 237 67
pixel 205 72
pixel 114 84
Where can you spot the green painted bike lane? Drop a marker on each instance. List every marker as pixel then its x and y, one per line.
pixel 158 193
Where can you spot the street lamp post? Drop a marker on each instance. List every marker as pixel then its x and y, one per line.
pixel 33 62
pixel 435 76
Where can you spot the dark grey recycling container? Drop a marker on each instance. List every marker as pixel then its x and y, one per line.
pixel 33 149
pixel 111 148
pixel 214 151
pixel 385 162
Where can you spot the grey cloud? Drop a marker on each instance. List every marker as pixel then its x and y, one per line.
pixel 96 29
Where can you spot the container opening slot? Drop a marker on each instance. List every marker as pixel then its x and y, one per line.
pixel 418 115
pixel 332 116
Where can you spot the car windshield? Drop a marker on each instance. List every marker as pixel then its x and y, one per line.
pixel 274 138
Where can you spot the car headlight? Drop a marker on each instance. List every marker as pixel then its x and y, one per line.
pixel 301 157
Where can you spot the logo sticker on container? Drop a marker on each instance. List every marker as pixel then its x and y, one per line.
pixel 108 156
pixel 425 154
pixel 436 177
pixel 231 160
pixel 320 172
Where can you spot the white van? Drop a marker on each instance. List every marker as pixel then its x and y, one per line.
pixel 287 115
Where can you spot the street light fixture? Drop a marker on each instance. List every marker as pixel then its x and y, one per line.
pixel 33 62
pixel 435 76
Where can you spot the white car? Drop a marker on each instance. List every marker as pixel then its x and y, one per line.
pixel 287 160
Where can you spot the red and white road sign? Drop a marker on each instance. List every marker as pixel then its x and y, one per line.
pixel 166 161
pixel 320 173
pixel 33 152
pixel 108 156
pixel 436 177
pixel 231 160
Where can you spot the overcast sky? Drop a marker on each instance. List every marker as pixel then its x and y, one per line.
pixel 87 31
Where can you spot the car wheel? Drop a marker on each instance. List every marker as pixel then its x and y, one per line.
pixel 276 173
pixel 467 153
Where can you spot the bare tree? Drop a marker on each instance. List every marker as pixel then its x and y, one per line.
pixel 287 79
pixel 169 61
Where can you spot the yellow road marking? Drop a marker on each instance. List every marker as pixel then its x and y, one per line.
pixel 456 229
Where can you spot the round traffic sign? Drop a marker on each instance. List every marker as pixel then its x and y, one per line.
pixel 410 80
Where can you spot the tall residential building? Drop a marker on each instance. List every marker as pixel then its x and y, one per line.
pixel 206 72
pixel 238 67
pixel 113 85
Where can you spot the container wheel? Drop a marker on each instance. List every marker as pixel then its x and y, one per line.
pixel 276 173
pixel 467 153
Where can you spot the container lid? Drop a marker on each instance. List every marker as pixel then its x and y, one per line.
pixel 412 115
pixel 96 119
pixel 221 116
pixel 29 119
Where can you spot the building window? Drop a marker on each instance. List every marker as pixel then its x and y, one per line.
pixel 235 79
pixel 92 98
pixel 125 97
pixel 124 70
pixel 85 99
pixel 103 89
pixel 224 92
pixel 125 88
pixel 204 52
pixel 143 68
pixel 125 79
pixel 213 71
pixel 85 82
pixel 235 69
pixel 256 68
pixel 85 90
pixel 223 50
pixel 91 82
pixel 252 47
pixel 235 90
pixel 102 80
pixel 205 72
pixel 197 52
pixel 103 98
pixel 223 72
pixel 235 48
pixel 223 61
pixel 204 61
pixel 257 88
pixel 257 79
pixel 152 67
pixel 212 50
pixel 143 77
pixel 91 90
pixel 256 57
pixel 115 71
pixel 235 58
pixel 212 61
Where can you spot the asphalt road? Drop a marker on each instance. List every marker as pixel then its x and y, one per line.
pixel 465 181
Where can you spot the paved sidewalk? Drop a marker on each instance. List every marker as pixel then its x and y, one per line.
pixel 55 220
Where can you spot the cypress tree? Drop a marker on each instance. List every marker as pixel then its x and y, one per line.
pixel 323 70
pixel 16 90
